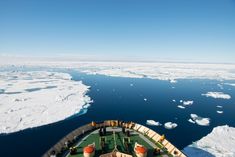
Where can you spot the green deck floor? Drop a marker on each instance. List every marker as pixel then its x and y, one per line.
pixel 109 146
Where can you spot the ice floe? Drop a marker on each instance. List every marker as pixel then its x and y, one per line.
pixel 186 103
pixel 230 84
pixel 174 100
pixel 199 120
pixel 170 125
pixel 180 106
pixel 220 143
pixel 31 108
pixel 220 112
pixel 153 122
pixel 217 95
pixel 191 121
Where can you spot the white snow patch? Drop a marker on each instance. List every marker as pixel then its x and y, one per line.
pixel 199 120
pixel 153 122
pixel 37 98
pixel 217 95
pixel 170 125
pixel 220 143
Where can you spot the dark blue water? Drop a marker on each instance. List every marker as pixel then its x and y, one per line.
pixel 114 98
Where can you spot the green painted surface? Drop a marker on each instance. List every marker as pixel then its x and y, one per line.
pixel 109 144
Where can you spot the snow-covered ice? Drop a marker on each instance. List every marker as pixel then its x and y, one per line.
pixel 153 122
pixel 37 98
pixel 170 125
pixel 220 143
pixel 217 95
pixel 199 120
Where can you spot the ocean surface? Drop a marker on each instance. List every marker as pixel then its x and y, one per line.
pixel 131 99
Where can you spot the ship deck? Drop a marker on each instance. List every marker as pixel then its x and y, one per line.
pixel 111 139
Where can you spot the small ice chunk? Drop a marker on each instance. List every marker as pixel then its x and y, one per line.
pixel 190 102
pixel 173 81
pixel 218 106
pixel 173 100
pixel 191 121
pixel 153 123
pixel 220 112
pixel 180 106
pixel 181 101
pixel 131 84
pixel 145 99
pixel 199 120
pixel 170 125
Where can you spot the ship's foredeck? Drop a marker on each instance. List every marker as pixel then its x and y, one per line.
pixel 115 136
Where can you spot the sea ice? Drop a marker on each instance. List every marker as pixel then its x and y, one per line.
pixel 217 95
pixel 186 103
pixel 173 100
pixel 220 143
pixel 220 112
pixel 199 120
pixel 170 125
pixel 153 122
pixel 191 121
pixel 31 108
pixel 160 70
pixel 180 106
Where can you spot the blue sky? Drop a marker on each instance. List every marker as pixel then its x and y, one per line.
pixel 188 30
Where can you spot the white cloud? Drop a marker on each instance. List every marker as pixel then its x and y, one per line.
pixel 217 95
